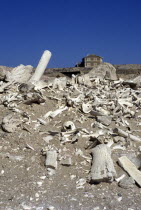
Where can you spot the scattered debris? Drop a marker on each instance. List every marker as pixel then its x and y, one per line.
pixel 94 113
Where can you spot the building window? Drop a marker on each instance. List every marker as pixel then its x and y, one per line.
pixel 88 59
pixel 88 64
pixel 95 59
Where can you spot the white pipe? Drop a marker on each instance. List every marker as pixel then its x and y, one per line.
pixel 41 66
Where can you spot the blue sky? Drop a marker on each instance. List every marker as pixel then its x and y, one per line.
pixel 70 29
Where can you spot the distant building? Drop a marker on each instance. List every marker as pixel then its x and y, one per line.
pixel 90 61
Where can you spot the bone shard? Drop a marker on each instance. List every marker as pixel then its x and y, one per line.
pixel 122 133
pixel 68 126
pixel 102 165
pixel 41 66
pixel 131 169
pixel 51 161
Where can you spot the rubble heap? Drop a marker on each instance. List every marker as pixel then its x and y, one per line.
pixel 99 110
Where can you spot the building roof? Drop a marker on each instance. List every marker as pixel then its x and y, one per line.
pixel 92 55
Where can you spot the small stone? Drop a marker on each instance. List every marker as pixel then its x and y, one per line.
pixel 72 177
pixel 37 195
pixel 39 184
pixel 127 182
pixel 42 177
pixel 50 208
pixel 48 138
pixel 96 208
pixel 2 171
pixel 66 162
pixel 80 183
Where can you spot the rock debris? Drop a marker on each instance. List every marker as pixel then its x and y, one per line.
pixel 99 109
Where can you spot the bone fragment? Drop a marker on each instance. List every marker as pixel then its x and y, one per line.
pixel 84 80
pixel 41 66
pixel 51 159
pixel 53 114
pixel 80 183
pixel 5 85
pixel 60 83
pixel 86 108
pixel 102 165
pixel 120 178
pixel 66 161
pixel 131 169
pixel 48 138
pixel 68 126
pixel 125 134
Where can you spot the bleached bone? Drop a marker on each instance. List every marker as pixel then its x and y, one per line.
pixel 131 169
pixel 125 102
pixel 80 183
pixel 119 147
pixel 102 111
pixel 110 142
pixel 84 80
pixel 53 114
pixel 68 125
pixel 11 122
pixel 129 112
pixel 120 178
pixel 41 66
pixel 86 108
pixel 98 133
pixel 60 83
pixel 40 85
pixel 20 74
pixel 125 134
pixel 74 101
pixel 51 161
pixel 102 165
pixel 5 85
pixel 66 161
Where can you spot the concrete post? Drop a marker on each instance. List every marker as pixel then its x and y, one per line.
pixel 41 66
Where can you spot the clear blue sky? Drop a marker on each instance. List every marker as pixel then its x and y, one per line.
pixel 70 29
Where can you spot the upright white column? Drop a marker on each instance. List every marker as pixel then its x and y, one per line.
pixel 41 66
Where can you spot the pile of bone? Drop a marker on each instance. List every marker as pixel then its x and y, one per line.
pixel 98 94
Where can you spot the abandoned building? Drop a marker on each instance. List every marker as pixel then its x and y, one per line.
pixel 90 61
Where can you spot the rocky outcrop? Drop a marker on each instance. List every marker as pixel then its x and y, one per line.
pixel 104 71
